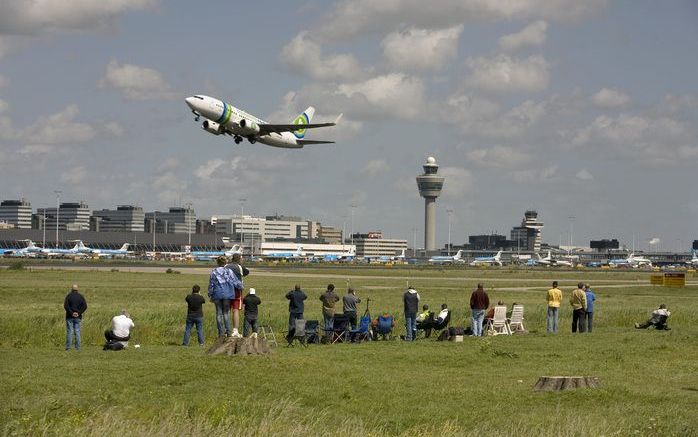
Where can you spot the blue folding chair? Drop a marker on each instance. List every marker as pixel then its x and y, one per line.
pixel 362 332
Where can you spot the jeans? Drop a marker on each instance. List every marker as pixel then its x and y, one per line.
pixel 578 320
pixel 590 321
pixel 329 323
pixel 222 316
pixel 552 319
pixel 410 327
pixel 477 316
pixel 72 325
pixel 250 325
pixel 199 322
pixel 351 315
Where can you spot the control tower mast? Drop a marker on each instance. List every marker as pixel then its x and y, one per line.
pixel 430 186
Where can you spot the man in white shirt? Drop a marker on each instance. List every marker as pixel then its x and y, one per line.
pixel 658 320
pixel 121 326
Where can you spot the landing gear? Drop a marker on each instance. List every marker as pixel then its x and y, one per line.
pixel 252 140
pixel 197 116
pixel 238 139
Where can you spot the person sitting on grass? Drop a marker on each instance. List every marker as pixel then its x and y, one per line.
pixel 659 319
pixel 120 331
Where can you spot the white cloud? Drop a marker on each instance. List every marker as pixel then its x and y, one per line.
pixel 535 175
pixel 135 82
pixel 74 176
pixel 459 181
pixel 114 128
pixel 303 55
pixel 610 98
pixel 654 241
pixel 531 35
pixel 58 128
pixel 422 49
pixel 4 106
pixel 375 167
pixel 501 157
pixel 360 17
pixel 584 175
pixel 395 95
pixel 503 74
pixel 21 17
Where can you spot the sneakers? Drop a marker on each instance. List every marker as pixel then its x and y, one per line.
pixel 637 326
pixel 236 334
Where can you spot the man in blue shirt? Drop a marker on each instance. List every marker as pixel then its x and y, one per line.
pixel 591 297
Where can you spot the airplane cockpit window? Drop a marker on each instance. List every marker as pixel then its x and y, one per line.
pixel 198 97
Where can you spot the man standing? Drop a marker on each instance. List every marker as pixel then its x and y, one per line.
pixel 479 301
pixel 121 326
pixel 296 307
pixel 329 298
pixel 349 302
pixel 411 305
pixel 74 305
pixel 591 298
pixel 251 302
pixel 221 290
pixel 579 308
pixel 240 271
pixel 554 300
pixel 195 315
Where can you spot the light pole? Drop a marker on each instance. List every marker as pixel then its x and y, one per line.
pixel 155 223
pixel 571 218
pixel 43 226
pixel 58 212
pixel 352 223
pixel 242 222
pixel 188 212
pixel 449 212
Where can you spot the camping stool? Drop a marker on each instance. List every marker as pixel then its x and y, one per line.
pixel 268 335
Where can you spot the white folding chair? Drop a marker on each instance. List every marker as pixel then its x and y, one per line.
pixel 499 325
pixel 516 323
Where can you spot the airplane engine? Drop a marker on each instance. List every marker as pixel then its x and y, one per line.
pixel 249 127
pixel 212 127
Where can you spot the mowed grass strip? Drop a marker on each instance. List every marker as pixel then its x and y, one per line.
pixel 480 386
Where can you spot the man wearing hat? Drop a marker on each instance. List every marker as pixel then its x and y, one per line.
pixel 74 305
pixel 251 302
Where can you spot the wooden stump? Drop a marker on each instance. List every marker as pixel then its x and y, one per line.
pixel 239 346
pixel 554 383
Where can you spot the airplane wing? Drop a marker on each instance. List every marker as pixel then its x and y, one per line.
pixel 265 129
pixel 304 142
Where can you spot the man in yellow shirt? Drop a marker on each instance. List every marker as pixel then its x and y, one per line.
pixel 578 300
pixel 554 300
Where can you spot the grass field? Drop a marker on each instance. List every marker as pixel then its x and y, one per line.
pixel 484 385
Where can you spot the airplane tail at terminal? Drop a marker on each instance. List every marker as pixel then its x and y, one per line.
pixel 457 256
pixel 125 246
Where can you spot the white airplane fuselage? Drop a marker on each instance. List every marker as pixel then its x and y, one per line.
pixel 222 117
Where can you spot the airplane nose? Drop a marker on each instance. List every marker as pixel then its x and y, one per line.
pixel 190 102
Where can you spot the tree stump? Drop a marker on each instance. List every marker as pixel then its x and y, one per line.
pixel 555 383
pixel 239 346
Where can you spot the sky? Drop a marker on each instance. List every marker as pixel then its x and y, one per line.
pixel 585 111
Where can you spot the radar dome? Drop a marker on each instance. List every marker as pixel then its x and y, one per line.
pixel 431 160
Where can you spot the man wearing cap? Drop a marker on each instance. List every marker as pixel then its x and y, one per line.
pixel 251 302
pixel 195 315
pixel 240 271
pixel 74 305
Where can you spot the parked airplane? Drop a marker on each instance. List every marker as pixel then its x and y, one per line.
pixel 448 260
pixel 388 258
pixel 693 261
pixel 487 260
pixel 224 118
pixel 297 254
pixel 208 255
pixel 102 253
pixel 631 261
pixel 337 256
pixel 550 261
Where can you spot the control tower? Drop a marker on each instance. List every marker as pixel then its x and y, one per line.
pixel 430 186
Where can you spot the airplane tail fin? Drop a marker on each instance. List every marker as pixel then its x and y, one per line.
pixel 498 256
pixel 304 118
pixel 458 255
pixel 30 245
pixel 125 246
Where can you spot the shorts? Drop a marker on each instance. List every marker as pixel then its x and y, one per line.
pixel 236 304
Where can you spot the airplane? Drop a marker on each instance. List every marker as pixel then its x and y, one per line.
pixel 693 261
pixel 204 255
pixel 297 254
pixel 487 260
pixel 388 258
pixel 550 261
pixel 337 256
pixel 631 261
pixel 102 253
pixel 224 118
pixel 448 260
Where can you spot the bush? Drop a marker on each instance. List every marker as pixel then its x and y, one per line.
pixel 16 265
pixel 169 270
